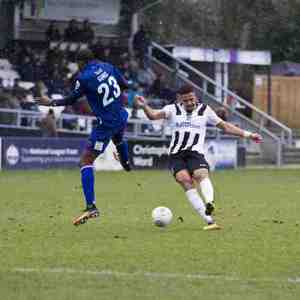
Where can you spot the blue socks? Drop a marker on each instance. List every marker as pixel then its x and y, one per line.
pixel 123 152
pixel 87 181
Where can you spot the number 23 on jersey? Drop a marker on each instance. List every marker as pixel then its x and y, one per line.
pixel 105 88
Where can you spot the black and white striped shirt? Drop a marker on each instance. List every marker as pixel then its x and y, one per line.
pixel 189 129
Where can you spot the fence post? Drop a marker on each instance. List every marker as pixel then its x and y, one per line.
pixel 279 153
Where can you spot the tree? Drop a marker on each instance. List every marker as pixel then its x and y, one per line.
pixel 247 24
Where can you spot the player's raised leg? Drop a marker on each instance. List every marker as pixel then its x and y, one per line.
pixel 122 148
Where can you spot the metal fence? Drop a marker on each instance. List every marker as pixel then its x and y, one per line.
pixel 82 125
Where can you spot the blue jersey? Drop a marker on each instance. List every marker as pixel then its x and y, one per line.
pixel 102 84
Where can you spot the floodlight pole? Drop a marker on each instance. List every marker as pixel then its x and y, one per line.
pixel 269 89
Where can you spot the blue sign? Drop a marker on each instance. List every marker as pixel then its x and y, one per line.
pixel 41 153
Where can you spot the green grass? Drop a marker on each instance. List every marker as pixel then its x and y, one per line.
pixel 123 256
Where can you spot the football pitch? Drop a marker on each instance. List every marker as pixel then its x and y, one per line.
pixel 123 256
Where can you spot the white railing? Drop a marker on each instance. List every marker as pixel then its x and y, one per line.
pixel 136 128
pixel 262 119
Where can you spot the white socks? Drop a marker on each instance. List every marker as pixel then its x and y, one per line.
pixel 207 190
pixel 198 204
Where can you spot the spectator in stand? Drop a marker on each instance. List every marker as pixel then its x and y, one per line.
pixel 39 89
pixel 140 43
pixel 7 100
pixel 157 86
pixel 117 52
pixel 10 101
pixel 231 101
pixel 5 97
pixel 130 70
pixel 222 113
pixel 97 49
pixel 17 89
pixel 27 101
pixel 145 77
pixel 107 55
pixel 56 83
pixel 129 99
pixel 26 69
pixel 69 119
pixel 48 125
pixel 40 69
pixel 52 32
pixel 87 33
pixel 72 32
pixel 161 90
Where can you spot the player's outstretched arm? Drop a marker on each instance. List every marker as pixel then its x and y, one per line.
pixel 152 114
pixel 68 100
pixel 46 101
pixel 234 130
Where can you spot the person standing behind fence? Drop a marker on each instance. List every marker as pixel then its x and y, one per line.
pixel 141 43
pixel 87 33
pixel 48 125
pixel 52 33
pixel 72 32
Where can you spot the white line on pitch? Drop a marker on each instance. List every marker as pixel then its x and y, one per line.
pixel 107 273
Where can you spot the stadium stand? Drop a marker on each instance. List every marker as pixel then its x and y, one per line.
pixel 48 63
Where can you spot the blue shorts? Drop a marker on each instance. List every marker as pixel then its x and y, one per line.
pixel 100 138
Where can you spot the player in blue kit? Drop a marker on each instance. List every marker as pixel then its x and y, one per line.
pixel 102 84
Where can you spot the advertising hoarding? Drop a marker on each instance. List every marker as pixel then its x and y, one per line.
pixel 41 153
pixel 221 154
pixel 44 153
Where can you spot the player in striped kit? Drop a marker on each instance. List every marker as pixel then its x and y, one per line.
pixel 189 119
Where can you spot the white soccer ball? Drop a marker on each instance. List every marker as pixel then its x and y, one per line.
pixel 162 216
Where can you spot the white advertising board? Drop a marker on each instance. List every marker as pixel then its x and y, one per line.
pixel 234 56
